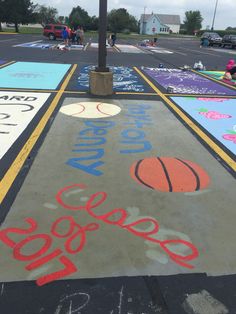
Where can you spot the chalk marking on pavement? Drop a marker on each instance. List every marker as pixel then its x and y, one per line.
pixel 203 303
pixel 31 42
pixel 14 169
pixel 215 80
pixel 224 156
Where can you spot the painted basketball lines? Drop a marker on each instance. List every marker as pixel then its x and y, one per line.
pixel 92 110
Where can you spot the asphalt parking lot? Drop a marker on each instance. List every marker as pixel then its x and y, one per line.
pixel 119 204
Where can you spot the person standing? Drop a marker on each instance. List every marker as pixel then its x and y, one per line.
pixel 65 36
pixel 80 35
pixel 113 39
pixel 230 72
pixel 73 35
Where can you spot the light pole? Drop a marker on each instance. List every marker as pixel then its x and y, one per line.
pixel 102 49
pixel 212 27
pixel 101 80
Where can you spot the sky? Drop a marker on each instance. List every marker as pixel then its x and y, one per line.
pixel 225 13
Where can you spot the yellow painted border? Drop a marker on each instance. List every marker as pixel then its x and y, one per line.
pixel 6 64
pixel 11 174
pixel 224 156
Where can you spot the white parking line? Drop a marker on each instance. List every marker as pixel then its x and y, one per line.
pixel 162 51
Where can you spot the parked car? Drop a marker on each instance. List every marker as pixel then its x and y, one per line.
pixel 54 31
pixel 229 40
pixel 213 38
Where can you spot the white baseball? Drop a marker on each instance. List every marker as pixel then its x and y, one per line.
pixel 91 110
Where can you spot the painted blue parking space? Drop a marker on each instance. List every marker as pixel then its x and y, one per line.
pixel 33 75
pixel 125 79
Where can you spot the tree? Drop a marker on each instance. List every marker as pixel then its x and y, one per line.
pixel 229 28
pixel 61 19
pixel 79 16
pixel 94 23
pixel 193 21
pixel 120 19
pixel 46 15
pixel 18 11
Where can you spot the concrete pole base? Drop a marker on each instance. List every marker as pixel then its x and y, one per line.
pixel 101 83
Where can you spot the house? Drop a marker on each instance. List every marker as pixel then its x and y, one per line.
pixel 151 24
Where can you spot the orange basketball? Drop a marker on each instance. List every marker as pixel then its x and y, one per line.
pixel 169 174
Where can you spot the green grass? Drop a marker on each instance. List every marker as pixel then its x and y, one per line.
pixel 30 30
pixel 24 30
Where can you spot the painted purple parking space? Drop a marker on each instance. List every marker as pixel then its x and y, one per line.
pixel 216 115
pixel 186 82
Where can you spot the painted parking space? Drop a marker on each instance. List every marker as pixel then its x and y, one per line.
pixel 17 109
pixel 218 75
pixel 111 181
pixel 94 46
pixel 129 49
pixel 125 79
pixel 186 82
pixel 216 115
pixel 40 44
pixel 33 75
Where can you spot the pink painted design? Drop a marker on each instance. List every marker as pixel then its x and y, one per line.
pixel 214 115
pixel 213 99
pixel 231 136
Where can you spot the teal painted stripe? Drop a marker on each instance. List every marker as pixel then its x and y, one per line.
pixel 33 75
